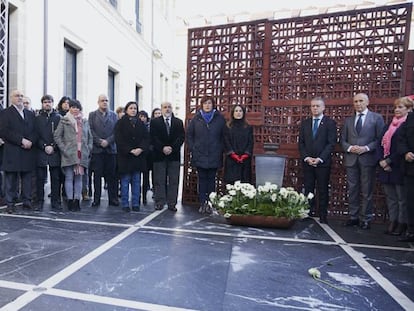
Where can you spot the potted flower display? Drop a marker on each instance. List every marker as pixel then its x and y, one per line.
pixel 266 206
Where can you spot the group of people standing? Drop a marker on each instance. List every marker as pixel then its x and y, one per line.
pixel 368 144
pixel 110 146
pixel 121 146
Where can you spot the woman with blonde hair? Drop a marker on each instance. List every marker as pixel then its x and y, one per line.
pixel 391 175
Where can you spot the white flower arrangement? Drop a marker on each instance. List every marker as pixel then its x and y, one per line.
pixel 266 200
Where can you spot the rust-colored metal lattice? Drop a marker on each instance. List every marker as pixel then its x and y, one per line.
pixel 275 67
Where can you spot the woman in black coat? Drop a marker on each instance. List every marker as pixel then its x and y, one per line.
pixel 391 174
pixel 238 147
pixel 132 140
pixel 205 141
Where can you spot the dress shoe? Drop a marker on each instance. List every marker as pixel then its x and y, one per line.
pixel 96 203
pixel 158 207
pixel 172 208
pixel 409 237
pixel 323 220
pixel 135 208
pixel 401 228
pixel 56 206
pixel 351 223
pixel 11 209
pixel 126 209
pixel 27 205
pixel 38 207
pixel 391 227
pixel 114 203
pixel 365 225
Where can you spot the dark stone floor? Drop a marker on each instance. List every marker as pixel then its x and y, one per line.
pixel 106 259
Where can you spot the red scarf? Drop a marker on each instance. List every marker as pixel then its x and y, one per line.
pixel 386 139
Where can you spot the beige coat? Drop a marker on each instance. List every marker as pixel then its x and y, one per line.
pixel 65 138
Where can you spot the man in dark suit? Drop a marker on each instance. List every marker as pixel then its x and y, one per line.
pixel 167 134
pixel 317 139
pixel 17 128
pixel 359 138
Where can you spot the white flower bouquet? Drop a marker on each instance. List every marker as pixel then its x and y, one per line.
pixel 266 200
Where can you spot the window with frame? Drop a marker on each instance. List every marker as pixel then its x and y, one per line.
pixel 138 89
pixel 111 88
pixel 70 70
pixel 138 25
pixel 114 3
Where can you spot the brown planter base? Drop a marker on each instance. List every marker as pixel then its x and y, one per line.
pixel 261 221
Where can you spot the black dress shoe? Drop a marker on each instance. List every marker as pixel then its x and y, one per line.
pixel 10 209
pixel 172 208
pixel 323 220
pixel 409 237
pixel 365 225
pixel 135 208
pixel 351 223
pixel 27 206
pixel 96 203
pixel 158 207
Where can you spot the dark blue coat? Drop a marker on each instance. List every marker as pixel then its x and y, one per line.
pixel 205 141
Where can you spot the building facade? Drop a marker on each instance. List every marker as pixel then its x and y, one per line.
pixel 83 48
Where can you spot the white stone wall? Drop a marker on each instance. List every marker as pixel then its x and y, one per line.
pixel 105 37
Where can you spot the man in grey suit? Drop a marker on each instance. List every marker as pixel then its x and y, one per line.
pixel 359 138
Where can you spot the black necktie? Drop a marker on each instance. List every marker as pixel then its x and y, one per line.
pixel 167 124
pixel 315 127
pixel 358 125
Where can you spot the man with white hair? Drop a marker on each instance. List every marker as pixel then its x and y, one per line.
pixel 17 128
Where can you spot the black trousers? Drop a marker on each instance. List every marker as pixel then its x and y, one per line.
pixel 11 183
pixel 317 178
pixel 41 177
pixel 409 186
pixel 104 165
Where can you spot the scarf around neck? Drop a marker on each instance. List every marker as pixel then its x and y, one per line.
pixel 207 116
pixel 386 139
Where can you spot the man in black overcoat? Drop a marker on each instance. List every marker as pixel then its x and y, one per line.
pixel 17 128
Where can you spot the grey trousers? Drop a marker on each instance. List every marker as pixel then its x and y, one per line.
pixel 166 180
pixel 396 202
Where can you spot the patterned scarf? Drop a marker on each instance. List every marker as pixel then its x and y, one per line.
pixel 386 139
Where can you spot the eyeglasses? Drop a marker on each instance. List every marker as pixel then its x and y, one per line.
pixel 18 95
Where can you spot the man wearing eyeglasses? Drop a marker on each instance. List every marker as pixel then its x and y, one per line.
pixel 17 128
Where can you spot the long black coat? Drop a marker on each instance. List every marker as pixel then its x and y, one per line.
pixel 238 139
pixel 46 124
pixel 160 138
pixel 205 141
pixel 406 143
pixel 13 128
pixel 128 137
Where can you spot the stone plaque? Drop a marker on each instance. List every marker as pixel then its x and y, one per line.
pixel 271 168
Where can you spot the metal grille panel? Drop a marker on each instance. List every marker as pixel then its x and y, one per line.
pixel 275 67
pixel 4 8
